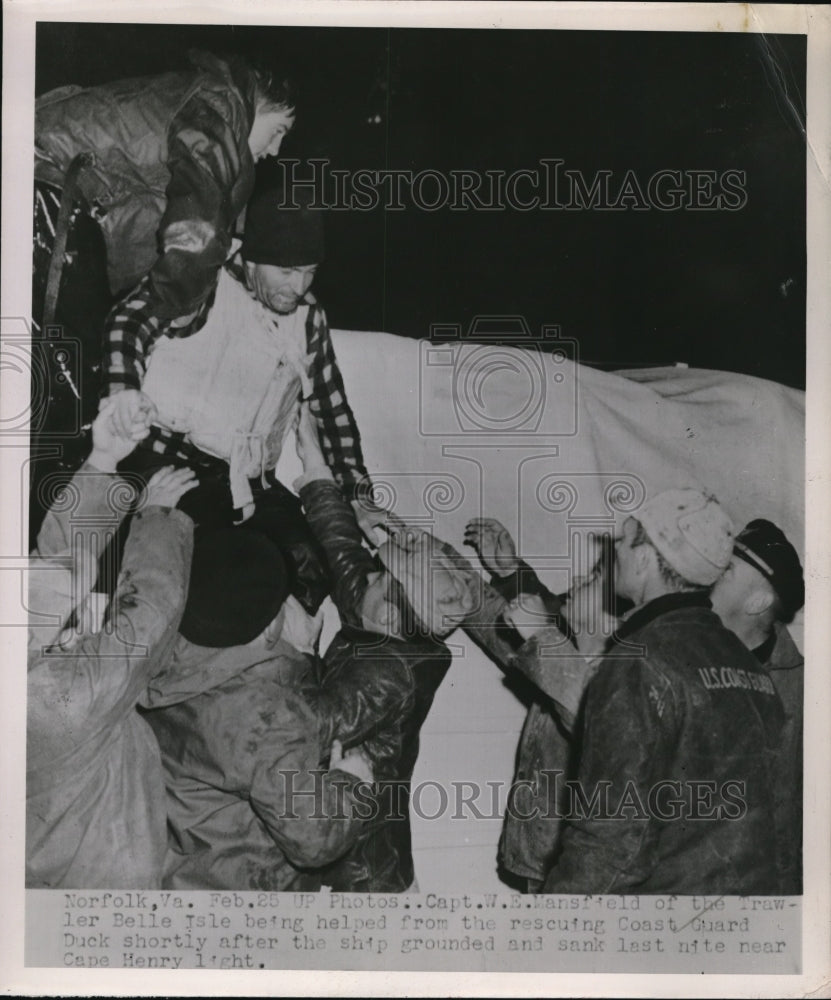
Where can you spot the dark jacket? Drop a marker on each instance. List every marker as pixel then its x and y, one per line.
pixel 786 668
pixel 679 741
pixel 371 688
pixel 170 166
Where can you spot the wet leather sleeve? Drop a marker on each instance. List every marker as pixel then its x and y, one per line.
pixel 333 524
pixel 362 696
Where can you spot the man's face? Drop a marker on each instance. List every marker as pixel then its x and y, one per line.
pixel 377 612
pixel 268 130
pixel 735 586
pixel 280 288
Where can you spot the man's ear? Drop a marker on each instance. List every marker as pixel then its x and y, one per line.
pixel 758 601
pixel 390 617
pixel 644 555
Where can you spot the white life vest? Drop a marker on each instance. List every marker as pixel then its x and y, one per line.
pixel 234 387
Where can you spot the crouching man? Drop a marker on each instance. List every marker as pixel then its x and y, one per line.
pixel 95 808
pixel 252 804
pixel 249 804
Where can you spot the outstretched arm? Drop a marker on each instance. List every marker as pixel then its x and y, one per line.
pixel 207 157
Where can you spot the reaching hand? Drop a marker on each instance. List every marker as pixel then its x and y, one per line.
pixel 355 762
pixel 308 442
pixel 167 487
pixel 380 525
pixel 109 443
pixel 132 413
pixel 493 544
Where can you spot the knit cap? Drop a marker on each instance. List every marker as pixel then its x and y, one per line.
pixel 692 531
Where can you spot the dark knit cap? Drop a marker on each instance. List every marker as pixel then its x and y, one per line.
pixel 765 547
pixel 238 582
pixel 281 228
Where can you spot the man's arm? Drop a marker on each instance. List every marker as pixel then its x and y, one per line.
pixel 130 331
pixel 86 688
pixel 627 734
pixel 548 659
pixel 339 435
pixel 309 811
pixel 207 153
pixel 333 524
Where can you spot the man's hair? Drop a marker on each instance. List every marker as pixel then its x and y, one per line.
pixel 274 88
pixel 271 86
pixel 673 581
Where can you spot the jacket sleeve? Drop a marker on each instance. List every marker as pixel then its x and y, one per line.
pixel 333 524
pixel 130 331
pixel 92 501
pixel 207 154
pixel 369 696
pixel 628 732
pixel 339 436
pixel 310 812
pixel 88 687
pixel 524 580
pixel 547 659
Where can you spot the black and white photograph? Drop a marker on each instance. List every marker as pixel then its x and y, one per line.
pixel 404 492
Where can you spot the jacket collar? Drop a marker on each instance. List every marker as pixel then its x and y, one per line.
pixel 660 606
pixel 779 651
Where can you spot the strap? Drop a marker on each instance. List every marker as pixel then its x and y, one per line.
pixel 56 261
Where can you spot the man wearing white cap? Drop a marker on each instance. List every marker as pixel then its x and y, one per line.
pixel 679 727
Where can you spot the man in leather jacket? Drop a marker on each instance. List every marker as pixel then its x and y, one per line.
pixel 168 167
pixel 234 713
pixel 381 671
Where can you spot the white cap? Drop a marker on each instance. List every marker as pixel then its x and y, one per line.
pixel 692 532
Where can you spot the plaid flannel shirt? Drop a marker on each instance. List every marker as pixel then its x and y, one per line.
pixel 132 330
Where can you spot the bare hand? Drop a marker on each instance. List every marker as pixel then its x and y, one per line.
pixel 167 487
pixel 132 413
pixel 528 615
pixel 109 443
pixel 493 544
pixel 354 762
pixel 377 523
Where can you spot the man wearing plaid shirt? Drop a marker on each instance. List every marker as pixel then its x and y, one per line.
pixel 222 386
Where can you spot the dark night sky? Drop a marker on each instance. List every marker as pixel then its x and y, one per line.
pixel 716 289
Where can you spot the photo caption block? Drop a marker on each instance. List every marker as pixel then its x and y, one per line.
pixel 492 932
